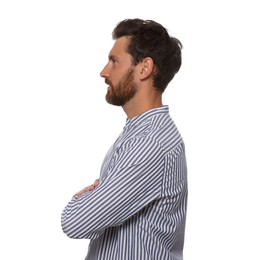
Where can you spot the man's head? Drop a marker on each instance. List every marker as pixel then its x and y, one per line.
pixel 150 39
pixel 140 45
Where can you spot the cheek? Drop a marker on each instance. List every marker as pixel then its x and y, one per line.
pixel 115 79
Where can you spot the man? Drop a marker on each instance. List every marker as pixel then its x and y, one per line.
pixel 137 207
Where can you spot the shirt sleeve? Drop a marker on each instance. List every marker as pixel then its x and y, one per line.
pixel 132 183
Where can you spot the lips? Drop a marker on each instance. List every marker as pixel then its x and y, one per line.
pixel 107 82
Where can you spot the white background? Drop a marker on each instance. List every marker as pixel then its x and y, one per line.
pixel 55 125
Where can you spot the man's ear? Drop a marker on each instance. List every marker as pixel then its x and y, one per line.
pixel 147 68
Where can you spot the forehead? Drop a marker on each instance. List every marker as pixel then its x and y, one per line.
pixel 120 47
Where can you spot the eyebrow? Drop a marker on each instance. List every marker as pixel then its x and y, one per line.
pixel 112 57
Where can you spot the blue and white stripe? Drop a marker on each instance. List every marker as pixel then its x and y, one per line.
pixel 138 211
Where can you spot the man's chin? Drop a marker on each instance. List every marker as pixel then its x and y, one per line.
pixel 109 99
pixel 112 101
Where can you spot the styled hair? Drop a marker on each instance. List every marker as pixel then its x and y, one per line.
pixel 150 39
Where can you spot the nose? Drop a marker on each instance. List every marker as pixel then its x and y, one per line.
pixel 105 72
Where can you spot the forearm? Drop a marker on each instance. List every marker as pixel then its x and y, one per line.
pixel 110 204
pixel 74 218
pixel 131 184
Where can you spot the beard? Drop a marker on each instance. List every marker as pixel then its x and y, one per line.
pixel 122 92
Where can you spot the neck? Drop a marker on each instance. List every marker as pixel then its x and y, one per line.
pixel 137 106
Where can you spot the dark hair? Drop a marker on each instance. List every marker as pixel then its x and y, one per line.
pixel 150 39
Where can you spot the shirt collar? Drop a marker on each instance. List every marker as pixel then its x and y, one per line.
pixel 146 116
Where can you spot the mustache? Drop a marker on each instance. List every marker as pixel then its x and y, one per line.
pixel 108 82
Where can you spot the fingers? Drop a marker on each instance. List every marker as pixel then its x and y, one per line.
pixel 88 188
pixel 94 185
pixel 81 192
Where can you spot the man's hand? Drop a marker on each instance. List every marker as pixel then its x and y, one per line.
pixel 88 188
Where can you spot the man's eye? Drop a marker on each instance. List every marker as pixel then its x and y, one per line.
pixel 112 60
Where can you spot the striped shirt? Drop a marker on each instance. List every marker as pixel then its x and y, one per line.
pixel 138 211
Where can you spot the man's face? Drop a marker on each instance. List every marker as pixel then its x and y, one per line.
pixel 119 74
